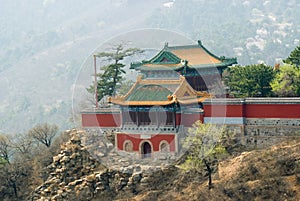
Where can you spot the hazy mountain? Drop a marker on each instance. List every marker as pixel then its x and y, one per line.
pixel 253 31
pixel 45 44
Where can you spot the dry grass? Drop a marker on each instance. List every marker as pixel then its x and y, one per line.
pixel 269 174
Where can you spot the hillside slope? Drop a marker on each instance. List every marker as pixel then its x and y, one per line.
pixel 269 174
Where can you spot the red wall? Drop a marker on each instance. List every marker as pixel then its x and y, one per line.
pixel 101 120
pixel 178 119
pixel 135 139
pixel 272 111
pixel 114 120
pixel 190 119
pixel 223 110
pixel 253 110
pixel 155 140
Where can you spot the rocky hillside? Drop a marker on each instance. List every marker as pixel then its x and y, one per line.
pixel 76 175
pixel 270 174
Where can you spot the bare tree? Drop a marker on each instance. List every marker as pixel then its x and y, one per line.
pixel 5 147
pixel 44 133
pixel 15 178
pixel 23 144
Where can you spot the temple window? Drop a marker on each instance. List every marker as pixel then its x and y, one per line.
pixel 128 146
pixel 164 146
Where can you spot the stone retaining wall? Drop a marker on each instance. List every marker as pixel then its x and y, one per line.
pixel 262 121
pixel 261 132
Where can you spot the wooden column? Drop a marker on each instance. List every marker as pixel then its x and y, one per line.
pixel 95 83
pixel 137 116
pixel 156 117
pixel 174 117
pixel 122 117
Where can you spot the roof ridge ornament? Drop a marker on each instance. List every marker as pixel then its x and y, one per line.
pixel 166 45
pixel 181 77
pixel 139 78
pixel 200 42
pixel 184 62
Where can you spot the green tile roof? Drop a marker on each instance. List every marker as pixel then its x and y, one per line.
pixel 149 93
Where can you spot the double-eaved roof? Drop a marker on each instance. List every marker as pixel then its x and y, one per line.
pixel 166 90
pixel 146 92
pixel 177 57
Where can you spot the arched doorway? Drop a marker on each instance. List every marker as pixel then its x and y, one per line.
pixel 146 150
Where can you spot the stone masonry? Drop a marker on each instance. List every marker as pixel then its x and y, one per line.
pixel 76 175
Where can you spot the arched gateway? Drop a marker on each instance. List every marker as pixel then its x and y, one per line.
pixel 146 150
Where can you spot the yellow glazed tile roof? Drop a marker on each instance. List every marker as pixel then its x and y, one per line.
pixel 195 56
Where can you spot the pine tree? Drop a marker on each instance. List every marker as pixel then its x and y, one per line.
pixel 294 58
pixel 250 80
pixel 112 76
pixel 287 81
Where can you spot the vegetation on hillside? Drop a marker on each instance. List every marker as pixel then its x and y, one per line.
pixel 260 174
pixel 206 145
pixel 43 48
pixel 42 56
pixel 261 80
pixel 287 81
pixel 268 174
pixel 253 31
pixel 294 57
pixel 249 81
pixel 24 159
pixel 43 133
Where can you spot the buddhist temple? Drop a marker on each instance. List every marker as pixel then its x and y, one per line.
pixel 165 100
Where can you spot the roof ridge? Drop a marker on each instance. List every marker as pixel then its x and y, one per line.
pixel 174 57
pixel 165 53
pixel 183 80
pixel 122 98
pixel 160 81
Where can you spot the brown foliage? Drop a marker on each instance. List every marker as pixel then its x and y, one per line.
pixel 44 133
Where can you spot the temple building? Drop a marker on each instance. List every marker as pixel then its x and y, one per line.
pixel 166 99
pixel 153 111
pixel 200 67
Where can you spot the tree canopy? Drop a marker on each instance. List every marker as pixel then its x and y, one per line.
pixel 112 76
pixel 294 57
pixel 206 143
pixel 5 147
pixel 287 81
pixel 44 133
pixel 23 160
pixel 250 80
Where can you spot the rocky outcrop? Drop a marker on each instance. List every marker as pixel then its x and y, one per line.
pixel 71 173
pixel 76 175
